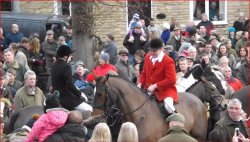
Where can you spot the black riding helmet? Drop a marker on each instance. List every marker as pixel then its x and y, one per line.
pixel 63 50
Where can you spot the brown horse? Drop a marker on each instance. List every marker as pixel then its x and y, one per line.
pixel 136 107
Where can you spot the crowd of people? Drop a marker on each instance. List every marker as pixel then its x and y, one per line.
pixel 153 58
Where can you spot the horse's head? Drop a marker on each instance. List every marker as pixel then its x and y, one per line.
pixel 103 98
pixel 213 95
pixel 214 75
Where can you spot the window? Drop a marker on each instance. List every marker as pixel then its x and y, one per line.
pixel 143 8
pixel 6 5
pixel 215 9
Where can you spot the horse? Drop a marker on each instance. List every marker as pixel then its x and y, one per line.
pixel 194 82
pixel 136 107
pixel 243 96
pixel 21 117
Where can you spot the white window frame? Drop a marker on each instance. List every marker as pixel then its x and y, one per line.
pixel 191 13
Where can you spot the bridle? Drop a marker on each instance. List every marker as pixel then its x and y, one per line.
pixel 210 86
pixel 111 109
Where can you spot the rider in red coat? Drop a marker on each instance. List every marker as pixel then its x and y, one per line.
pixel 158 75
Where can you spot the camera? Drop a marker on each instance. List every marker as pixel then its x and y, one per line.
pixel 237 131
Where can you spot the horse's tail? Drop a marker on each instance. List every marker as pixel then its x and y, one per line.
pixel 13 119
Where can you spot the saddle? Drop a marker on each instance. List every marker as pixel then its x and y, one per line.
pixel 161 106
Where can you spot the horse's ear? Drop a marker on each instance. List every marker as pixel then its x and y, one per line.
pixel 105 78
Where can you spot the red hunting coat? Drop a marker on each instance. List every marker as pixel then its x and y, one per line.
pixel 163 74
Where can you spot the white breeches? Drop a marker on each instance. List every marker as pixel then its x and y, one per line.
pixel 84 107
pixel 169 104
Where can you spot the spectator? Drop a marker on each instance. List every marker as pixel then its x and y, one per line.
pixel 6 95
pixel 192 52
pixel 153 27
pixel 226 125
pixel 203 33
pixel 61 41
pixel 223 51
pixel 14 36
pixel 242 42
pixel 228 44
pixel 212 56
pixel 175 39
pixel 29 94
pixel 101 133
pixel 169 50
pixel 37 64
pixel 102 69
pixel 183 30
pixel 20 57
pixel 214 11
pixel 134 45
pixel 241 23
pixel 53 118
pixel 49 47
pixel 166 33
pixel 205 22
pixel 111 48
pixel 174 23
pixel 176 131
pixel 243 71
pixel 25 47
pixel 232 36
pixel 13 83
pixel 214 43
pixel 145 29
pixel 10 62
pixel 183 66
pixel 123 66
pixel 243 54
pixel 128 133
pixel 68 35
pixel 233 82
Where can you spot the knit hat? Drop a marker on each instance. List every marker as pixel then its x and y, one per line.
pixel 137 25
pixel 156 44
pixel 52 101
pixel 231 29
pixel 28 126
pixel 104 57
pixel 176 117
pixel 169 48
pixel 79 62
pixel 136 16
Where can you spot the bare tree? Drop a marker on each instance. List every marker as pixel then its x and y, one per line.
pixel 83 32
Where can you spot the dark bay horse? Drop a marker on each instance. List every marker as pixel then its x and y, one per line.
pixel 20 118
pixel 136 107
pixel 243 96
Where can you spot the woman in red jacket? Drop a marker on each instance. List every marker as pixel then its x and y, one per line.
pixel 158 75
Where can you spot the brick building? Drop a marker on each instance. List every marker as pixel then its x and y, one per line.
pixel 113 16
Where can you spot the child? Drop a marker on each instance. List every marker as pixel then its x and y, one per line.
pixel 53 118
pixel 135 23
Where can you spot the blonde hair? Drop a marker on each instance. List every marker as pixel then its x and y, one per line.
pixel 101 133
pixel 128 133
pixel 35 44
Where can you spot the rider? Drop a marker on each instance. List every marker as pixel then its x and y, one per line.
pixel 70 97
pixel 158 75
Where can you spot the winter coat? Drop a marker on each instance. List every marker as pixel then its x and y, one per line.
pixel 165 36
pixel 68 133
pixel 175 43
pixel 20 70
pixel 111 49
pixel 47 124
pixel 125 70
pixel 49 49
pixel 208 25
pixel 225 129
pixel 23 99
pixel 70 96
pixel 12 38
pixel 177 134
pixel 235 84
pixel 240 43
pixel 161 73
pixel 100 70
pixel 137 44
pixel 243 72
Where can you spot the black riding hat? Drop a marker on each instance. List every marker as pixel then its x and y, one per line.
pixel 64 50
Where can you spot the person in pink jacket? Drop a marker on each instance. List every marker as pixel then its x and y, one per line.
pixel 53 118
